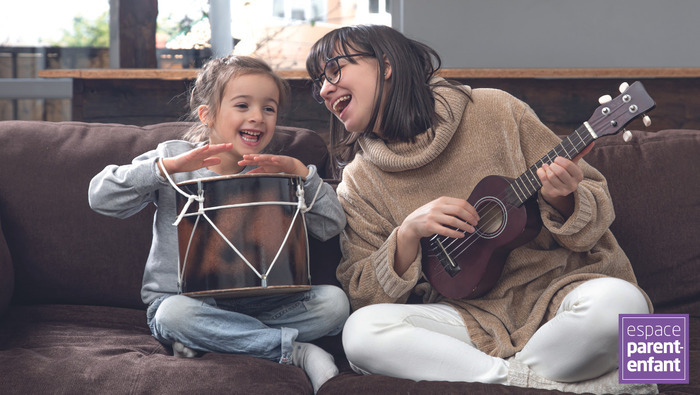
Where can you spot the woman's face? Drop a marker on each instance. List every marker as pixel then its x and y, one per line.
pixel 352 98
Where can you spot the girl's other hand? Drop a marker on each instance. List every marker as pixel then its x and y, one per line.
pixel 274 164
pixel 195 159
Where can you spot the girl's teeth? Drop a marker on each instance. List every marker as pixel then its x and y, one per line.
pixel 250 136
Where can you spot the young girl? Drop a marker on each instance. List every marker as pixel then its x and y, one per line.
pixel 415 146
pixel 237 100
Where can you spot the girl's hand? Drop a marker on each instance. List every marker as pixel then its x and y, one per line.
pixel 195 159
pixel 274 164
pixel 560 180
pixel 437 217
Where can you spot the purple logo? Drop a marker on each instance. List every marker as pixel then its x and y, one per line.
pixel 654 348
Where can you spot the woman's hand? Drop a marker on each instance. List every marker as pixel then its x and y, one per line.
pixel 560 180
pixel 441 216
pixel 274 164
pixel 195 159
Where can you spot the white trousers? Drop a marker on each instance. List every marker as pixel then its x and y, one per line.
pixel 431 342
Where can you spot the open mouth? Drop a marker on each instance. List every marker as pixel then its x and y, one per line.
pixel 250 136
pixel 340 104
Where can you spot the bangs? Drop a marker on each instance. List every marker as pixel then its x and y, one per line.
pixel 336 42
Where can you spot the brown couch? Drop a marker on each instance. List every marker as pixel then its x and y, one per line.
pixel 72 321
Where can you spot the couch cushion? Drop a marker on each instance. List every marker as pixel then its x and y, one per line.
pixel 94 350
pixel 7 274
pixel 654 181
pixel 62 251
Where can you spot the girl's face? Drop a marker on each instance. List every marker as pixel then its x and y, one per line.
pixel 352 98
pixel 247 114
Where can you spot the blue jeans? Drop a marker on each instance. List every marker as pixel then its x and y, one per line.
pixel 261 326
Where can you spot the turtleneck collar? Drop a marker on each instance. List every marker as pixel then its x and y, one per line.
pixel 400 156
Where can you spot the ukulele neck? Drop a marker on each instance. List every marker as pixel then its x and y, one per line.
pixel 527 184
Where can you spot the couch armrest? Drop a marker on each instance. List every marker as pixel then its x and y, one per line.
pixel 7 274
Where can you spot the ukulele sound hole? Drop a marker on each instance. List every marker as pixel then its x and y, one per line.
pixel 492 217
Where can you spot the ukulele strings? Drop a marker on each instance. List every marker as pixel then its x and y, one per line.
pixel 474 237
pixel 454 251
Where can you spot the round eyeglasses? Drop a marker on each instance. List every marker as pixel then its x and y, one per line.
pixel 331 72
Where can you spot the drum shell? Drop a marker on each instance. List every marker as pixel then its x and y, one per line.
pixel 210 267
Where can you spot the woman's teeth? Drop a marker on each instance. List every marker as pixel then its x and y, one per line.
pixel 340 103
pixel 250 136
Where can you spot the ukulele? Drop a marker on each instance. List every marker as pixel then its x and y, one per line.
pixel 469 267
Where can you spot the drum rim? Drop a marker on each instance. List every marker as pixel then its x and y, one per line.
pixel 239 176
pixel 245 291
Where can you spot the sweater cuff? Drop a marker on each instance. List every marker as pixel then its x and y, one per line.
pixel 311 184
pixel 557 224
pixel 394 285
pixel 156 172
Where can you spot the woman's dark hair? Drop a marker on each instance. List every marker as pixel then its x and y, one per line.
pixel 410 105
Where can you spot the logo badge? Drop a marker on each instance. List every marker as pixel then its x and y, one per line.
pixel 654 348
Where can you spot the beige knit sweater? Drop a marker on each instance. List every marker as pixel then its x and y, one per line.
pixel 494 134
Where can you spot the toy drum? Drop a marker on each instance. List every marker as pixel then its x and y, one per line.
pixel 242 235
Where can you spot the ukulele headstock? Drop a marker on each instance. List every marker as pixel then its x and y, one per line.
pixel 614 114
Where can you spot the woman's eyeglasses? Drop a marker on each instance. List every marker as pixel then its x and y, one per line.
pixel 331 72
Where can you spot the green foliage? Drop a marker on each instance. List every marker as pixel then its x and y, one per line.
pixel 87 32
pixel 171 27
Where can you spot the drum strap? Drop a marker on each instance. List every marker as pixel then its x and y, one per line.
pixel 201 212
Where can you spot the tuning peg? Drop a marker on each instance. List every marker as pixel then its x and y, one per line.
pixel 604 99
pixel 623 87
pixel 646 120
pixel 627 136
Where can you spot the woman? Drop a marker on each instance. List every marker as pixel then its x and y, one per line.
pixel 414 147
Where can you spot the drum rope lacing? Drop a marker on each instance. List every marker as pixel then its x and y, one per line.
pixel 201 212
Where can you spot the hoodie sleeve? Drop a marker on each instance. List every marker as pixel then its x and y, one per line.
pixel 326 218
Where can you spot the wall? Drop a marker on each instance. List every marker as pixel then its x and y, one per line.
pixel 555 33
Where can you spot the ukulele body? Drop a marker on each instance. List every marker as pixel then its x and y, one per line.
pixel 470 267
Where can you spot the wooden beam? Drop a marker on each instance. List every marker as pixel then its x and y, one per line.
pixel 137 32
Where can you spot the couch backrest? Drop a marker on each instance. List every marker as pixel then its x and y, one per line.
pixel 654 181
pixel 62 251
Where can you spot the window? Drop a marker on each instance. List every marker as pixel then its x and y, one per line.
pixel 282 31
pixel 300 10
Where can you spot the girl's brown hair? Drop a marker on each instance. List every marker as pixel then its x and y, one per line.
pixel 211 81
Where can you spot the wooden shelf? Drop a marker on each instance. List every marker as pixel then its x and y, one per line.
pixel 190 74
pixel 562 98
pixel 138 74
pixel 572 73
